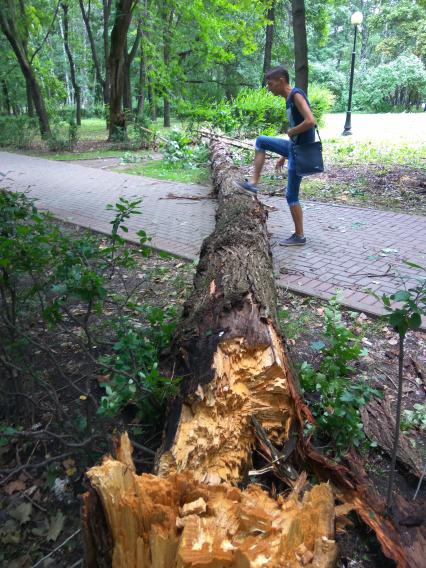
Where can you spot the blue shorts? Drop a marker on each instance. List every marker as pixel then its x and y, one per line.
pixel 283 148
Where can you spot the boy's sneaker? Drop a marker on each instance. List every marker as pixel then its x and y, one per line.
pixel 293 241
pixel 247 186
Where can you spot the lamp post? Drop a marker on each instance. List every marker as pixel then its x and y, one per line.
pixel 356 20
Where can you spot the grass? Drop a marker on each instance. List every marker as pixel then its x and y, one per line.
pixel 93 129
pixel 158 169
pixel 344 151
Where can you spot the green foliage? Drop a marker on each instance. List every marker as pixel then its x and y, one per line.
pixel 334 397
pixel 180 151
pixel 398 85
pixel 415 418
pixel 135 376
pixel 64 136
pixel 44 272
pixel 406 307
pixel 322 101
pixel 17 131
pixel 254 111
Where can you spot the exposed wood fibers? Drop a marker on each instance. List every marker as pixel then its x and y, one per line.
pixel 214 436
pixel 161 522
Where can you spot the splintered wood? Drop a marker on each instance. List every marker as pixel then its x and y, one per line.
pixel 215 438
pixel 177 521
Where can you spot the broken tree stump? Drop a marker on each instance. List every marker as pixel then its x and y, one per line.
pixel 234 367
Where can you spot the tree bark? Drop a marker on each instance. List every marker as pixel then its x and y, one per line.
pixel 235 370
pixel 9 26
pixel 106 11
pixel 142 81
pixel 30 103
pixel 269 40
pixel 152 100
pixel 167 38
pixel 129 58
pixel 123 16
pixel 6 98
pixel 102 82
pixel 300 44
pixel 75 85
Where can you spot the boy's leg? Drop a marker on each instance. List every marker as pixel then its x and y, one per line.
pixel 259 160
pixel 263 144
pixel 292 196
pixel 297 214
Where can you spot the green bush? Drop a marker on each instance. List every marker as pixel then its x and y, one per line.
pixel 395 86
pixel 333 396
pixel 18 131
pixel 253 111
pixel 45 273
pixel 179 150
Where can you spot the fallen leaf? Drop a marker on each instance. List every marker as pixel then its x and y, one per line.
pixel 56 526
pixel 22 513
pixel 14 486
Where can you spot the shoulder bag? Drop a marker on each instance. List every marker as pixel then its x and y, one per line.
pixel 308 157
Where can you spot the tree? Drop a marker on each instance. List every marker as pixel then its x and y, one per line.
pixel 122 19
pixel 10 27
pixel 300 44
pixel 75 85
pixel 102 79
pixel 269 40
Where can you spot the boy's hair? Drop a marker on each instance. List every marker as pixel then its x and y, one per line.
pixel 277 73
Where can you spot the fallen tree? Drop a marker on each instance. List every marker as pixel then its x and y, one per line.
pixel 238 394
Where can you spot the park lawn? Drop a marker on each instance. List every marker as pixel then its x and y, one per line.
pixel 159 169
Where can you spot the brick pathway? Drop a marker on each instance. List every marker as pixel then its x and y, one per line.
pixel 348 247
pixel 79 194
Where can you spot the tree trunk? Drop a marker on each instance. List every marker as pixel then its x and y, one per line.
pixel 6 98
pixel 167 38
pixel 30 103
pixel 106 10
pixel 75 85
pixel 152 100
pixel 300 44
pixel 269 40
pixel 142 81
pixel 129 58
pixel 123 16
pixel 102 82
pixel 238 392
pixel 9 26
pixel 127 96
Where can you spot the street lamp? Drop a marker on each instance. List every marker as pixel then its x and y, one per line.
pixel 356 20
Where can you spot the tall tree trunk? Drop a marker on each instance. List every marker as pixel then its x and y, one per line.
pixel 127 95
pixel 152 100
pixel 123 16
pixel 300 44
pixel 9 26
pixel 6 98
pixel 75 85
pixel 106 11
pixel 269 40
pixel 30 103
pixel 98 72
pixel 167 38
pixel 128 60
pixel 142 80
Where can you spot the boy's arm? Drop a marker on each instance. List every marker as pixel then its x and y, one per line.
pixel 305 111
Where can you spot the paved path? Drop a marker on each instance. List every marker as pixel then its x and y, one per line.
pixel 80 194
pixel 348 247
